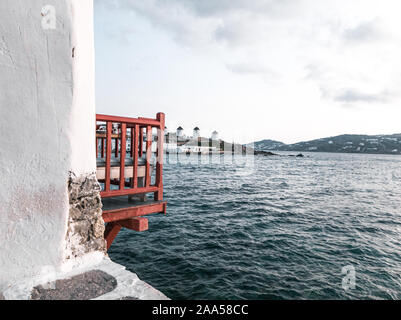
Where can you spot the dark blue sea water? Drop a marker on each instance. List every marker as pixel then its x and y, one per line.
pixel 273 228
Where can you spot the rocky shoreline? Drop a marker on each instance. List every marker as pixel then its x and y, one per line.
pixel 268 153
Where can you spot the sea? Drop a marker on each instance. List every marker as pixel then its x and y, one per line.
pixel 322 226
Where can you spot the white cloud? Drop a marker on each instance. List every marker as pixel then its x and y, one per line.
pixel 364 32
pixel 351 95
pixel 250 68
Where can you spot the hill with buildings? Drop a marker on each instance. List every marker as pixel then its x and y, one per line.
pixel 178 142
pixel 346 143
pixel 266 145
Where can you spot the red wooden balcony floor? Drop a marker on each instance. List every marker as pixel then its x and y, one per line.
pixel 120 212
pixel 120 208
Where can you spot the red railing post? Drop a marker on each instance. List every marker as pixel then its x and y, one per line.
pixel 122 155
pixel 135 158
pixel 132 142
pixel 108 158
pixel 158 196
pixel 148 154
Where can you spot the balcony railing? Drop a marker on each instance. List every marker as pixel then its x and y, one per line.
pixel 129 156
pixel 130 169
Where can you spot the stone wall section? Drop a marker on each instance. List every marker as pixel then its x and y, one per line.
pixel 85 223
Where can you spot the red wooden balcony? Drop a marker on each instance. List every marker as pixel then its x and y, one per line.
pixel 129 156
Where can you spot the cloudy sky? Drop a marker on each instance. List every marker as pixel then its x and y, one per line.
pixel 288 70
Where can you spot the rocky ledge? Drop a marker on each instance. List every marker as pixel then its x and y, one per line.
pixel 85 224
pixel 268 153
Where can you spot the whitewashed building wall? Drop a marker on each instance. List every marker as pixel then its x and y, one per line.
pixel 47 133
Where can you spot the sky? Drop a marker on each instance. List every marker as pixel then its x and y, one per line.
pixel 287 70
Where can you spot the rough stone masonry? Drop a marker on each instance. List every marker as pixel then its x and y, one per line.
pixel 85 223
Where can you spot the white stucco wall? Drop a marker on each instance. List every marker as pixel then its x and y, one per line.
pixel 47 118
pixel 83 115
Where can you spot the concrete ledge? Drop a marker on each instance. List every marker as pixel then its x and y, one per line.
pixel 104 280
pixel 85 286
pixel 129 286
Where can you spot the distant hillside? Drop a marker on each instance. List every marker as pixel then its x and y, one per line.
pixel 266 145
pixel 347 143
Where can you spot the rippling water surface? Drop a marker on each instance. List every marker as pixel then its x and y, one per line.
pixel 273 228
